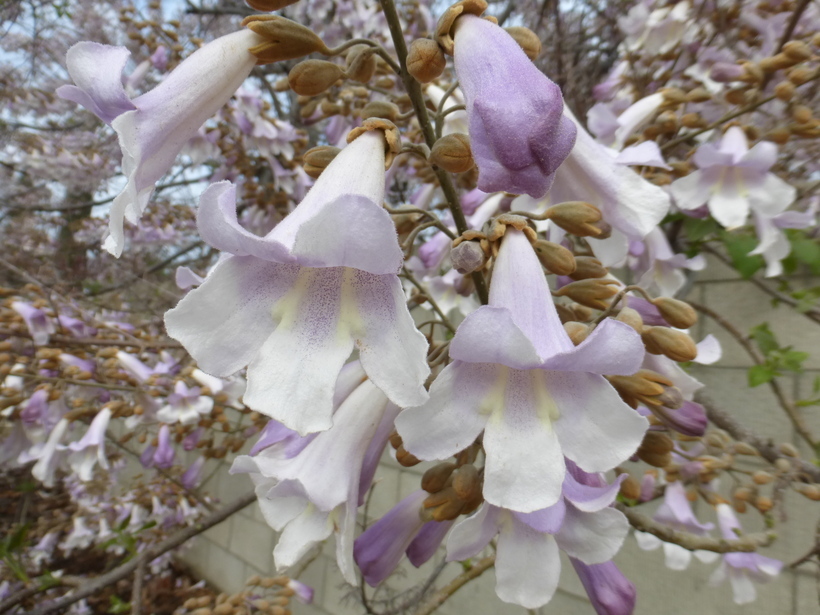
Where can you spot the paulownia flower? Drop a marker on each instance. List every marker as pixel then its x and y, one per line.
pixel 517 376
pixel 517 133
pixel 609 591
pixel 292 305
pixel 153 127
pixel 90 449
pixel 527 566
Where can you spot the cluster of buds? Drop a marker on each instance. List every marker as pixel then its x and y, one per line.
pixel 455 488
pixel 266 596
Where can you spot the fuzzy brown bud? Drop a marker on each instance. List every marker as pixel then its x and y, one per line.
pixel 466 482
pixel 361 63
pixel 527 40
pixel 588 267
pixel 577 331
pixel 784 90
pixel 655 442
pixel 555 257
pixel 789 450
pixel 591 293
pixel 802 114
pixel 698 95
pixel 762 478
pixel 380 108
pixel 801 74
pixel 467 257
pixel 631 488
pixel 778 62
pixel 436 478
pixel 797 51
pixel 676 345
pixel 425 60
pixel 317 158
pixel 405 458
pixel 576 217
pixel 643 387
pixel 312 77
pixel 452 153
pixel 284 39
pixel 268 6
pixel 677 313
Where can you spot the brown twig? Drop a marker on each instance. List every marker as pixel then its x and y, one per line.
pixel 442 595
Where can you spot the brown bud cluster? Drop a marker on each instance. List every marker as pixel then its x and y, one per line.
pixel 454 490
pixel 645 387
pixel 588 267
pixel 361 63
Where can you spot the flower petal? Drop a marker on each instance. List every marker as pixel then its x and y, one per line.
pixel 527 566
pixel 471 535
pixel 597 429
pixel 592 537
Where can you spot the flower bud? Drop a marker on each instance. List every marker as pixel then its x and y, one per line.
pixel 467 257
pixel 452 153
pixel 555 257
pixel 742 448
pixel 425 60
pixel 577 331
pixel 466 482
pixel 812 492
pixel 797 51
pixel 436 478
pixel 361 63
pixel 576 217
pixel 527 40
pixel 268 6
pixel 643 387
pixel 788 450
pixel 801 74
pixel 677 313
pixel 285 39
pixel 405 458
pixel 676 345
pixel 752 73
pixel 317 158
pixel 762 478
pixel 784 90
pixel 630 317
pixel 312 77
pixel 777 62
pixel 588 267
pixel 631 488
pixel 802 114
pixel 724 72
pixel 698 95
pixel 380 108
pixel 655 444
pixel 591 293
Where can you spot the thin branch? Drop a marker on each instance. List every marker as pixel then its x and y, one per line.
pixel 442 595
pixel 693 542
pixel 66 340
pixel 147 556
pixel 787 33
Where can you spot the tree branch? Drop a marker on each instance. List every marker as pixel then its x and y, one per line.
pixel 442 595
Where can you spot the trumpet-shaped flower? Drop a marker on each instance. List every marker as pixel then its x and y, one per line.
pixel 305 497
pixel 609 591
pixel 90 449
pixel 292 305
pixel 734 180
pixel 153 127
pixel 527 568
pixel 517 376
pixel 742 569
pixel 517 133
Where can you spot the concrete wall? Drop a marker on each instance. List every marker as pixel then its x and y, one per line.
pixel 241 547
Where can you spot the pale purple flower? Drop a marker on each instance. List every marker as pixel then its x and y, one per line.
pixel 40 326
pixel 676 512
pixel 517 376
pixel 658 268
pixel 527 566
pixel 742 569
pixel 163 456
pixel 613 130
pixel 774 245
pixel 517 133
pixel 185 405
pixel 50 455
pixel 609 591
pixel 292 305
pixel 734 180
pixel 80 537
pixel 305 497
pixel 90 449
pixel 154 127
pixel 75 326
pixel 302 591
pixel 191 476
pixel 43 551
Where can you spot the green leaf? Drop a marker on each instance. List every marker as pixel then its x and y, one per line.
pixel 764 338
pixel 793 360
pixel 760 374
pixel 807 251
pixel 699 228
pixel 738 246
pixel 118 605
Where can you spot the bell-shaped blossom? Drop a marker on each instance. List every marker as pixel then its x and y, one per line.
pixel 153 128
pixel 90 449
pixel 164 454
pixel 609 591
pixel 310 495
pixel 517 133
pixel 50 455
pixel 527 566
pixel 185 405
pixel 734 180
pixel 191 477
pixel 293 304
pixel 40 326
pixel 742 569
pixel 517 376
pixel 676 512
pixel 630 204
pixel 658 268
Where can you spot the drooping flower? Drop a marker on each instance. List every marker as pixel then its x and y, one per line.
pixel 306 498
pixel 742 569
pixel 50 455
pixel 90 449
pixel 40 326
pixel 609 591
pixel 734 180
pixel 154 127
pixel 293 304
pixel 518 135
pixel 164 454
pixel 527 566
pixel 185 405
pixel 517 376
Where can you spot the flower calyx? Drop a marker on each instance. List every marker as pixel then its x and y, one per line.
pixel 677 313
pixel 452 153
pixel 554 257
pixel 446 23
pixel 526 39
pixel 644 387
pixel 392 138
pixel 593 292
pixel 454 490
pixel 579 218
pixel 361 63
pixel 469 256
pixel 425 60
pixel 284 39
pixel 672 343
